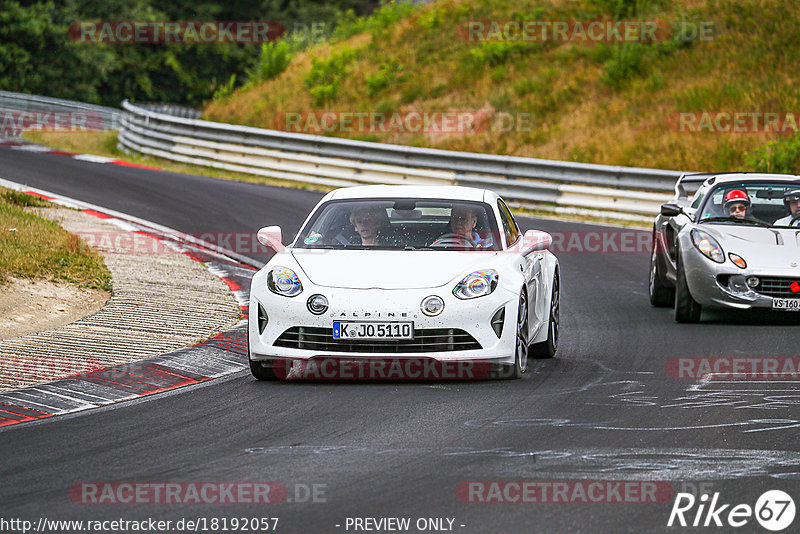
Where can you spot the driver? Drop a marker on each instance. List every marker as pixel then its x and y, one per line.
pixel 463 220
pixel 372 225
pixel 737 203
pixel 791 199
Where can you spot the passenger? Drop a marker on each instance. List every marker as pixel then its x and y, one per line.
pixel 791 199
pixel 372 225
pixel 737 203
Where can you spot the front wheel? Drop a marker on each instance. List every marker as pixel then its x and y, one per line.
pixel 258 370
pixel 687 310
pixel 262 372
pixel 520 365
pixel 548 347
pixel 660 294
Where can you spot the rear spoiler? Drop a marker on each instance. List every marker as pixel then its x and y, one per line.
pixel 685 178
pixel 694 178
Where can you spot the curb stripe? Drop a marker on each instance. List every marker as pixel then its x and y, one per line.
pixel 221 355
pixel 97 214
pixel 91 158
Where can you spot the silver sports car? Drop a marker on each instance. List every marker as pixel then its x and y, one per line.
pixel 734 244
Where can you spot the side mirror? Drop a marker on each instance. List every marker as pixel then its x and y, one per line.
pixel 270 236
pixel 534 240
pixel 671 210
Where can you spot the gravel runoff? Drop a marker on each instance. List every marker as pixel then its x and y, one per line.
pixel 161 302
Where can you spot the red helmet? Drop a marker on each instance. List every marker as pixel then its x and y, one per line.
pixel 736 195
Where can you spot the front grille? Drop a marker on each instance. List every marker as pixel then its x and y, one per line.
pixel 775 286
pixel 425 340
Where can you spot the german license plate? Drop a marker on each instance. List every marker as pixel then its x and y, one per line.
pixel 372 330
pixel 786 304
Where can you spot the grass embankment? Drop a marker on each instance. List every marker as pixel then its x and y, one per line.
pixel 37 248
pixel 610 103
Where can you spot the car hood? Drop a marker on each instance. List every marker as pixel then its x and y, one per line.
pixel 759 246
pixel 388 269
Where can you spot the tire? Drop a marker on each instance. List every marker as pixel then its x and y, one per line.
pixel 661 295
pixel 259 371
pixel 520 365
pixel 687 310
pixel 548 347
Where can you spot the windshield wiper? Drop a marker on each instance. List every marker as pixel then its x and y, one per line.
pixel 736 220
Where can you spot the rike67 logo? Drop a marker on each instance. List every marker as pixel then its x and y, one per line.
pixel 774 510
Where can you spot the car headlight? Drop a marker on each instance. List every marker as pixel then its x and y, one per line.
pixel 708 246
pixel 477 284
pixel 284 281
pixel 738 260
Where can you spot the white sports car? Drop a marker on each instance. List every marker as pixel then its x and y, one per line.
pixel 423 274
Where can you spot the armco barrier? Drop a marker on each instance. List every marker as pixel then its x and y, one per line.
pixel 101 117
pixel 620 192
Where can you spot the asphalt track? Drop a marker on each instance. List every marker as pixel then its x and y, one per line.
pixel 605 409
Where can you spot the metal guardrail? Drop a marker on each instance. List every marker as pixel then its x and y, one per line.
pixel 172 109
pixel 621 192
pixel 96 117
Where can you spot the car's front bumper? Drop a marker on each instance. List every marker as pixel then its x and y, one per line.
pixel 471 317
pixel 718 285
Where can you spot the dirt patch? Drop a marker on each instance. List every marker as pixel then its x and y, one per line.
pixel 28 306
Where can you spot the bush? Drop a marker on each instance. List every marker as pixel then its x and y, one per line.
pixel 275 57
pixel 782 156
pixel 627 60
pixel 621 9
pixel 225 90
pixel 385 76
pixel 325 74
pixel 412 93
pixel 498 52
pixel 524 86
pixel 378 23
pixel 321 94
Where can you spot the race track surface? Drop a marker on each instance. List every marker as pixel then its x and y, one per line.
pixel 608 408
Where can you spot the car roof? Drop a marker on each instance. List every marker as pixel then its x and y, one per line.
pixel 449 192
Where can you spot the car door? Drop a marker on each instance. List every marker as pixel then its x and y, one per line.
pixel 532 268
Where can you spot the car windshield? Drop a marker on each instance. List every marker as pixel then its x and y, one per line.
pixel 757 204
pixel 401 224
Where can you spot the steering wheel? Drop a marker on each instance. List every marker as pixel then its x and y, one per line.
pixel 454 240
